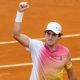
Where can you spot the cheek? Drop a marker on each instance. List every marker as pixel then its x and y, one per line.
pixel 57 39
pixel 54 40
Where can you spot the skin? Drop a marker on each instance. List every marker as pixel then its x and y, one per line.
pixel 51 40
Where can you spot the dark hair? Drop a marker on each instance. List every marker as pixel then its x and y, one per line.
pixel 60 34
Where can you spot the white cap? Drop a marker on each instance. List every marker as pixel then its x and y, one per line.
pixel 55 27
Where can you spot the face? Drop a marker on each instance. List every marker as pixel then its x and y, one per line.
pixel 51 37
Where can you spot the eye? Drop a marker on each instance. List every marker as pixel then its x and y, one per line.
pixel 48 33
pixel 54 34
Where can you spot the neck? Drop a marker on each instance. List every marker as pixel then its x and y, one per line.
pixel 51 46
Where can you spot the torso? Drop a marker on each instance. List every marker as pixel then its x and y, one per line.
pixel 47 65
pixel 52 62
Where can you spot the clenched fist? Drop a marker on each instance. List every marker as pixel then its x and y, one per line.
pixel 23 6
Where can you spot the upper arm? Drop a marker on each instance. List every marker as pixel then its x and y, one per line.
pixel 22 39
pixel 68 61
pixel 70 71
pixel 68 67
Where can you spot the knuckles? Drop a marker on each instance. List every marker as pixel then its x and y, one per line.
pixel 23 4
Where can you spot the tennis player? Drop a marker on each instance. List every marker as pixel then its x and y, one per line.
pixel 49 58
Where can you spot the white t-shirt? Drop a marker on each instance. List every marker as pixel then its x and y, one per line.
pixel 35 47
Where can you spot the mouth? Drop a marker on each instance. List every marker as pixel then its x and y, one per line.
pixel 50 40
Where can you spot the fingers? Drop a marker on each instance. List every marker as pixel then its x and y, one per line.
pixel 23 6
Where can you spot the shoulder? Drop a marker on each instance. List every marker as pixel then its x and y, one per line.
pixel 64 48
pixel 65 52
pixel 35 43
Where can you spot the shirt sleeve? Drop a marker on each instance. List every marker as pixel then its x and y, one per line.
pixel 34 44
pixel 69 65
pixel 69 62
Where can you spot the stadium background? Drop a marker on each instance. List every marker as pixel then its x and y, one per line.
pixel 66 12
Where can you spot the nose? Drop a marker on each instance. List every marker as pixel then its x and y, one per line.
pixel 50 36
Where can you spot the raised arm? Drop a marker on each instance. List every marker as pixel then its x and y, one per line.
pixel 22 38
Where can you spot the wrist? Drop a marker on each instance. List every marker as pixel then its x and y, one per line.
pixel 19 16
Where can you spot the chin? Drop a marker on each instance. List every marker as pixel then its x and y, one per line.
pixel 50 43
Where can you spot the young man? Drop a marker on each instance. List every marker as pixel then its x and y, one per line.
pixel 49 58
